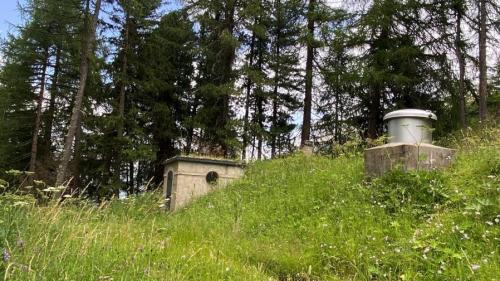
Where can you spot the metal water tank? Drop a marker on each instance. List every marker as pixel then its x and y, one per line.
pixel 410 126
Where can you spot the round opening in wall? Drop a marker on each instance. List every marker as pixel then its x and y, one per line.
pixel 212 177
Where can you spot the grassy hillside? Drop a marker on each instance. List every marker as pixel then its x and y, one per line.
pixel 296 218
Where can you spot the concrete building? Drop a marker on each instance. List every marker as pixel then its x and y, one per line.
pixel 187 178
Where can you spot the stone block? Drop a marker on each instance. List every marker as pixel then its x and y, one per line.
pixel 381 159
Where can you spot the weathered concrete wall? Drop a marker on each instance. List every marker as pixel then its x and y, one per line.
pixel 381 159
pixel 190 180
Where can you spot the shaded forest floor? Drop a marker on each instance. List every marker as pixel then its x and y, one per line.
pixel 296 218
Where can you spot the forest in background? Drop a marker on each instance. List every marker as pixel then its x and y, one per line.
pixel 98 94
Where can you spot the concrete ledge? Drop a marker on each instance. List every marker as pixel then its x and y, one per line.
pixel 405 156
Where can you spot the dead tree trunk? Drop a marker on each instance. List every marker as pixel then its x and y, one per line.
pixel 87 45
pixel 38 120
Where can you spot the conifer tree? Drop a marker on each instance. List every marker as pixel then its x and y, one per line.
pixel 215 83
pixel 165 75
pixel 135 24
pixel 284 63
pixel 88 40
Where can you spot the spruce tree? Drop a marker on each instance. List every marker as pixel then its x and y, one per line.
pixel 284 64
pixel 164 75
pixel 216 77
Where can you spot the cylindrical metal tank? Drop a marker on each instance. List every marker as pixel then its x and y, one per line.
pixel 410 126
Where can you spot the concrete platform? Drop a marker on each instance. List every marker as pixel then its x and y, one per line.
pixel 381 159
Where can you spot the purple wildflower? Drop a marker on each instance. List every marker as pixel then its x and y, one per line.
pixel 5 255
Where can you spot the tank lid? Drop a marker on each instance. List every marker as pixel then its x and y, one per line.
pixel 419 113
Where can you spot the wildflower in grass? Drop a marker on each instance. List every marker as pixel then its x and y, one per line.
pixel 5 255
pixel 475 267
pixel 20 204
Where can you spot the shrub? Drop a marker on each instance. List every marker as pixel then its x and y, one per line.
pixel 417 192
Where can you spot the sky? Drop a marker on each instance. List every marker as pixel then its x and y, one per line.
pixel 9 15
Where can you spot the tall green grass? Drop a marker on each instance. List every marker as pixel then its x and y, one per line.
pixel 298 218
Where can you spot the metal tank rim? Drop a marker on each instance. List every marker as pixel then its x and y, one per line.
pixel 415 113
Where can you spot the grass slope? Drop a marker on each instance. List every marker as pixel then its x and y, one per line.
pixel 297 218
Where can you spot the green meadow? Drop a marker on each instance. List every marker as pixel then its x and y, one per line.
pixel 295 218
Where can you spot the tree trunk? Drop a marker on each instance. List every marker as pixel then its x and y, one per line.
pixel 121 102
pixel 483 87
pixel 461 66
pixel 260 117
pixel 190 129
pixel 52 103
pixel 259 99
pixel 248 87
pixel 253 148
pixel 306 123
pixel 87 45
pixel 274 121
pixel 75 171
pixel 374 113
pixel 165 151
pixel 38 120
pixel 337 131
pixel 131 177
